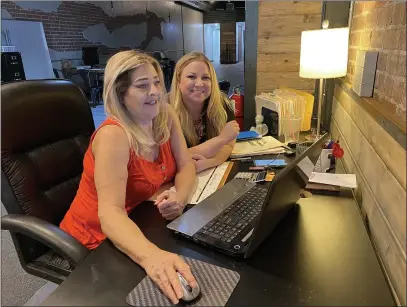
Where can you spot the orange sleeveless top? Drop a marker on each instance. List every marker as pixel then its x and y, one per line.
pixel 144 178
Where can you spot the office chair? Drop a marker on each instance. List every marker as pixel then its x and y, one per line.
pixel 92 86
pixel 58 73
pixel 224 86
pixel 46 127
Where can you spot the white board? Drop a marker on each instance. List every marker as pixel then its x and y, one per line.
pixel 28 37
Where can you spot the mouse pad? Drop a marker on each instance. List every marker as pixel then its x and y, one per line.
pixel 216 283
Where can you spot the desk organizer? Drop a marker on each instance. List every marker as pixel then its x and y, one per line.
pixel 216 283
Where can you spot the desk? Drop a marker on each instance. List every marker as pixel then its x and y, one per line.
pixel 319 254
pixel 89 71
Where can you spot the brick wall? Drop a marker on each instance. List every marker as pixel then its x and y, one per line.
pixel 381 26
pixel 63 28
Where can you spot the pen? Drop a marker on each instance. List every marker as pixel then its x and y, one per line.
pixel 241 159
pixel 257 168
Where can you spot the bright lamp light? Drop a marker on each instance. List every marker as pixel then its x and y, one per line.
pixel 324 53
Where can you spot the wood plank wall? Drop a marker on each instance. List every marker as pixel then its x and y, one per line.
pixel 279 39
pixel 379 163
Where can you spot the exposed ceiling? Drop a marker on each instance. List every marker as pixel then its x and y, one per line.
pixel 206 6
pixel 226 5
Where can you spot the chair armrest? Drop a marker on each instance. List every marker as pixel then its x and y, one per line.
pixel 52 236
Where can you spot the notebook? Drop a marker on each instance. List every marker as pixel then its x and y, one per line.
pixel 248 135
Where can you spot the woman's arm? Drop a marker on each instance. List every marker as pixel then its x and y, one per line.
pixel 219 158
pixel 171 204
pixel 209 148
pixel 111 152
pixel 222 142
pixel 186 175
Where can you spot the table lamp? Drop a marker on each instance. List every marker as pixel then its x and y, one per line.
pixel 324 54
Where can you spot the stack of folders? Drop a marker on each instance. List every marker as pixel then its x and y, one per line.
pixel 256 147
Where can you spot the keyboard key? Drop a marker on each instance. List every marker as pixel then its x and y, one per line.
pixel 215 236
pixel 236 216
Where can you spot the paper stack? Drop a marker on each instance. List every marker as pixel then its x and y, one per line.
pixel 208 181
pixel 342 180
pixel 263 146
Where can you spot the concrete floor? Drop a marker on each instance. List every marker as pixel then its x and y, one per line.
pixel 17 286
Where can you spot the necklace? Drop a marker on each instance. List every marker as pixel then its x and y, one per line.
pixel 199 127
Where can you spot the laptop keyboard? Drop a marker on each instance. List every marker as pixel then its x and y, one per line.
pixel 235 218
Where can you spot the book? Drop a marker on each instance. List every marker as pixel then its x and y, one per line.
pixel 248 135
pixel 342 180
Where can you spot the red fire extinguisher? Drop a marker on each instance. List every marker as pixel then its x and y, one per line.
pixel 239 106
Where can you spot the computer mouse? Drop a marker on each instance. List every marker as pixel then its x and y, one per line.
pixel 190 294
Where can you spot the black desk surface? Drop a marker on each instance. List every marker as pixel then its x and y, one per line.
pixel 319 254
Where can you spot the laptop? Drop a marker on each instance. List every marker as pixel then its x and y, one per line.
pixel 238 217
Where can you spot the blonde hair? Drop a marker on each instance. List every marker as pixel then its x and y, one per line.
pixel 117 80
pixel 216 115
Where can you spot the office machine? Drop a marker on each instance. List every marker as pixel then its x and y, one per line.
pixel 12 68
pixel 90 56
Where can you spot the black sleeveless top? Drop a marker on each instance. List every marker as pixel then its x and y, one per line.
pixel 201 124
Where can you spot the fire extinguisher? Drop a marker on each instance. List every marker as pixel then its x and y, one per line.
pixel 238 100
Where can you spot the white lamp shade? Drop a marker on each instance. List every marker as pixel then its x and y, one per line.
pixel 324 53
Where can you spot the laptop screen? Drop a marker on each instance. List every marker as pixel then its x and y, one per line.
pixel 284 193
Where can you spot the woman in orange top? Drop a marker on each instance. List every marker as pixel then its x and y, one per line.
pixel 138 148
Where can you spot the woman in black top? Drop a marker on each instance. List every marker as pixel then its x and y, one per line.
pixel 206 114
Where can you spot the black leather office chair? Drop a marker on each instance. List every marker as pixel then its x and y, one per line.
pixel 58 73
pixel 45 130
pixel 93 86
pixel 224 86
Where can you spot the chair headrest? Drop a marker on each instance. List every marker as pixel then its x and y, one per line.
pixel 38 112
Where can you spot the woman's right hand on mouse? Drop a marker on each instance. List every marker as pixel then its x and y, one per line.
pixel 230 131
pixel 162 268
